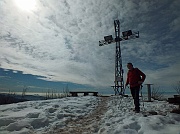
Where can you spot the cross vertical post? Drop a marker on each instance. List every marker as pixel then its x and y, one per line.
pixel 119 82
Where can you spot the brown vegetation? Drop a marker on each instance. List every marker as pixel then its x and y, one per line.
pixel 8 99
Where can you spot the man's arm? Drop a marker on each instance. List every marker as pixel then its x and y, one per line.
pixel 127 80
pixel 143 76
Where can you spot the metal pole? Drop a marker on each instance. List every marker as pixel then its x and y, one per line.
pixel 119 82
pixel 149 91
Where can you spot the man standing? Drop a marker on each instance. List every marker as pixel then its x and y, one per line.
pixel 135 78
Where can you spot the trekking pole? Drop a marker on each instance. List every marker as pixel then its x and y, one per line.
pixel 142 96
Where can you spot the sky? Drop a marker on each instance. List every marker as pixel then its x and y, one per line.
pixel 70 115
pixel 57 42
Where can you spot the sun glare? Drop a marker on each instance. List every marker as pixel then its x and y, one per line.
pixel 27 5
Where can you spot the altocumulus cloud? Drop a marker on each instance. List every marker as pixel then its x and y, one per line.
pixel 59 39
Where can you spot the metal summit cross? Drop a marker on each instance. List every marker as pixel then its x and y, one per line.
pixel 118 82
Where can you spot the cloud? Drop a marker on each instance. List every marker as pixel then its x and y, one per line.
pixel 165 77
pixel 59 40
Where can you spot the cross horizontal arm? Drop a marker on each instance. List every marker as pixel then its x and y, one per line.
pixel 122 38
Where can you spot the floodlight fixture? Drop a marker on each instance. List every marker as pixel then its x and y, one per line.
pixel 108 39
pixel 126 34
pixel 137 34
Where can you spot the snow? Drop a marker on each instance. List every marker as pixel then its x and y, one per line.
pixel 45 115
pixel 120 118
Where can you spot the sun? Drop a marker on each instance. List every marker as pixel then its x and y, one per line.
pixel 27 5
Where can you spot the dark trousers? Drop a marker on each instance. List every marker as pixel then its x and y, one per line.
pixel 135 95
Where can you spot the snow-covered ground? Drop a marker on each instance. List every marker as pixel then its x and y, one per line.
pixel 42 116
pixel 121 119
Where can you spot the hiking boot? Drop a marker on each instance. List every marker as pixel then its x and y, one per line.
pixel 137 111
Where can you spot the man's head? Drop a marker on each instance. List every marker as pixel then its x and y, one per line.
pixel 130 66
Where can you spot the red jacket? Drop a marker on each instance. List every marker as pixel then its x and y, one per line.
pixel 133 76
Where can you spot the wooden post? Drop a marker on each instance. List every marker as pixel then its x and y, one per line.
pixel 74 94
pixel 149 91
pixel 86 93
pixel 95 94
